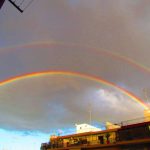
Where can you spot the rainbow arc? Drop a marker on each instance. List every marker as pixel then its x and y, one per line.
pixel 75 74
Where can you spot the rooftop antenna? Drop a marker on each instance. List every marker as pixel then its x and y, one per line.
pixel 19 6
pixel 90 113
pixel 145 91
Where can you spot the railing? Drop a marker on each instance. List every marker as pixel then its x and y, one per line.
pixel 135 121
pixel 129 122
pixel 79 143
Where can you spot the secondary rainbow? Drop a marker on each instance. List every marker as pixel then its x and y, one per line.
pixel 94 49
pixel 75 74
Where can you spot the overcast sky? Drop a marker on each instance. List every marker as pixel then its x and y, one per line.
pixel 104 39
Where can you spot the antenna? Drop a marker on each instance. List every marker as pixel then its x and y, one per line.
pixel 90 113
pixel 16 6
pixel 145 91
pixel 19 6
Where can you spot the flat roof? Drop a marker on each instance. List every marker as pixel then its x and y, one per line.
pixel 88 133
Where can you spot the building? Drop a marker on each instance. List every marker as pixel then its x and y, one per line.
pixel 81 128
pixel 132 136
pixel 110 125
pixel 147 114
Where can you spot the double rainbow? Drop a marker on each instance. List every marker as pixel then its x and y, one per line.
pixel 68 73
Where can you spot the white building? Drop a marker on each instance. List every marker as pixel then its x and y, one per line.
pixel 81 128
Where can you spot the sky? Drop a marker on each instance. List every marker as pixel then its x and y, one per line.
pixel 59 57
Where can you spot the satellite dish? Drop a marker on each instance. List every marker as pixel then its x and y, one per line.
pixel 1 3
